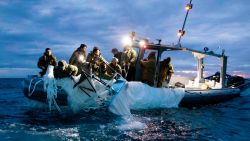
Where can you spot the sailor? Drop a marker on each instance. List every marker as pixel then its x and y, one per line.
pixel 128 62
pixel 148 69
pixel 78 58
pixel 65 70
pixel 97 63
pixel 46 60
pixel 166 71
pixel 114 67
pixel 117 54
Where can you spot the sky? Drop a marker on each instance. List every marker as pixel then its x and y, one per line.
pixel 27 27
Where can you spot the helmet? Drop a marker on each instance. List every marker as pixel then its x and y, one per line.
pixel 83 45
pixel 115 60
pixel 114 50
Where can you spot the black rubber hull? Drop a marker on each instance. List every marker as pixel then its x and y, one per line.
pixel 39 94
pixel 192 98
pixel 196 98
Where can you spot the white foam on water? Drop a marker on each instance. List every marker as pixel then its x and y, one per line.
pixel 62 133
pixel 137 96
pixel 130 123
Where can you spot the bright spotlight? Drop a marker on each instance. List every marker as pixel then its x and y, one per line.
pixel 181 33
pixel 81 58
pixel 142 43
pixel 127 41
pixel 188 7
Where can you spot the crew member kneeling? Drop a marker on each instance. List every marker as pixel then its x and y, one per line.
pixel 65 70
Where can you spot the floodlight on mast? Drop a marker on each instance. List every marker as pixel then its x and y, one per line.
pixel 181 32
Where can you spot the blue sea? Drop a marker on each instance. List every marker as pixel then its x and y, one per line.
pixel 22 121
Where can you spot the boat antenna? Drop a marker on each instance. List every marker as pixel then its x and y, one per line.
pixel 181 32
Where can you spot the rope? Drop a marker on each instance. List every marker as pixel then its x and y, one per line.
pixel 30 93
pixel 57 107
pixel 110 81
pixel 51 89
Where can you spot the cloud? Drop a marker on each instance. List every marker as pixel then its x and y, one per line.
pixel 228 33
pixel 28 27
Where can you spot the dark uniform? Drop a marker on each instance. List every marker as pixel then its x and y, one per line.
pixel 128 62
pixel 148 69
pixel 117 55
pixel 114 67
pixel 64 70
pixel 95 65
pixel 165 72
pixel 96 62
pixel 46 60
pixel 78 58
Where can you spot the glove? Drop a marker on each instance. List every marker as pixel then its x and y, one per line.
pixel 95 66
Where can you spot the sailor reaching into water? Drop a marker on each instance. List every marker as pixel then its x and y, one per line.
pixel 46 60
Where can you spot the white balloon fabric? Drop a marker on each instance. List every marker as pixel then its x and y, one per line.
pixel 137 96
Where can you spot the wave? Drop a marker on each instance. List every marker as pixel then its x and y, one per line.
pixel 246 92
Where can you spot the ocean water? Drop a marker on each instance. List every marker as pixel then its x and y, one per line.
pixel 21 120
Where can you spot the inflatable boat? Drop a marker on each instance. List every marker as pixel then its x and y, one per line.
pixel 94 91
pixel 33 89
